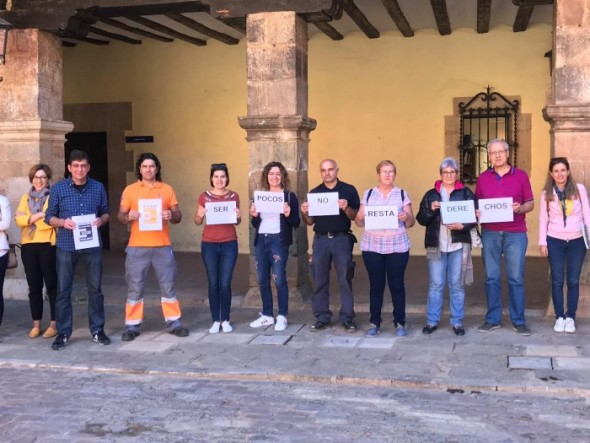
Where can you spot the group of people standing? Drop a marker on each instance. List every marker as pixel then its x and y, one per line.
pixel 51 238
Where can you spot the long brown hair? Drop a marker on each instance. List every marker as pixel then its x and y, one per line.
pixel 571 188
pixel 264 176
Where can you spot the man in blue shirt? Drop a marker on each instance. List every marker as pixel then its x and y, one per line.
pixel 75 196
pixel 332 243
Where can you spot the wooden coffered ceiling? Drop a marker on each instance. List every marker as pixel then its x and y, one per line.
pixel 101 21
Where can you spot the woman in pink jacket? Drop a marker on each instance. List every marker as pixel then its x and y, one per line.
pixel 563 213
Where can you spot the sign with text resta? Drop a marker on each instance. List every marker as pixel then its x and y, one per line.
pixel 381 217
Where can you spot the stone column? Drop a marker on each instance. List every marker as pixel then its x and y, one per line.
pixel 568 109
pixel 277 124
pixel 31 126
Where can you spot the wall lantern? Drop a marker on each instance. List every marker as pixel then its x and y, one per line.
pixel 4 28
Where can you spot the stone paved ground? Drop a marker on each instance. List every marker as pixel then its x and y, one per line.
pixel 48 405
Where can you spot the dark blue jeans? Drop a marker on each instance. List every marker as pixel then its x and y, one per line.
pixel 66 266
pixel 220 260
pixel 388 268
pixel 326 251
pixel 271 260
pixel 565 260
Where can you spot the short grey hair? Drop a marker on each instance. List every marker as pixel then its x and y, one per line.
pixel 449 162
pixel 500 142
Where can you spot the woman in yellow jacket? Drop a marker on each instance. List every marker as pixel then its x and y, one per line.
pixel 38 248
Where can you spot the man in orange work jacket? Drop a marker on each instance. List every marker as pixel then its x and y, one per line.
pixel 149 205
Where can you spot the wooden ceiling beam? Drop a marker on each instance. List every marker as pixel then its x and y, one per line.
pixel 196 26
pixel 90 40
pixel 441 15
pixel 532 2
pixel 241 8
pixel 67 44
pixel 523 16
pixel 398 17
pixel 484 8
pixel 329 30
pixel 114 36
pixel 360 19
pixel 237 23
pixel 166 30
pixel 134 30
pixel 157 9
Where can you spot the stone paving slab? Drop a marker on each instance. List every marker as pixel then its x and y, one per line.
pixel 264 339
pixel 377 343
pixel 146 346
pixel 551 351
pixel 341 342
pixel 515 362
pixel 572 363
pixel 231 338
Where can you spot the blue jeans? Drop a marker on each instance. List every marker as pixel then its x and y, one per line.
pixel 390 268
pixel 326 251
pixel 66 266
pixel 220 260
pixel 511 245
pixel 446 268
pixel 3 267
pixel 566 259
pixel 271 259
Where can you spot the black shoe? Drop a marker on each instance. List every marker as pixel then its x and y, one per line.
pixel 319 325
pixel 429 329
pixel 179 332
pixel 349 326
pixel 522 329
pixel 60 342
pixel 459 330
pixel 129 335
pixel 101 338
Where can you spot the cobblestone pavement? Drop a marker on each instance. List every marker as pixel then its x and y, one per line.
pixel 51 405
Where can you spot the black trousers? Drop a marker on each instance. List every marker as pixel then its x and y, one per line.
pixel 39 262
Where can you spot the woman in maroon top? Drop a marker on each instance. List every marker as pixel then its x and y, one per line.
pixel 219 246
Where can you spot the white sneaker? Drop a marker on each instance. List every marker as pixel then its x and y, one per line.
pixel 263 320
pixel 226 326
pixel 214 329
pixel 570 325
pixel 281 323
pixel 559 325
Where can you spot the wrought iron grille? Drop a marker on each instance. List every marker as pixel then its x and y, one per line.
pixel 496 117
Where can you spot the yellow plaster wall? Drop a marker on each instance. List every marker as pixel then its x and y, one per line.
pixel 373 99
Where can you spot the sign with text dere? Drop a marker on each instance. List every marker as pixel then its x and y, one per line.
pixel 457 212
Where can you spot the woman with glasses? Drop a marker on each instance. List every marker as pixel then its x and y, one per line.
pixel 386 251
pixel 219 246
pixel 563 215
pixel 448 247
pixel 38 248
pixel 274 234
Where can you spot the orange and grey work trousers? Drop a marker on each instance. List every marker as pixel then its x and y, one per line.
pixel 137 264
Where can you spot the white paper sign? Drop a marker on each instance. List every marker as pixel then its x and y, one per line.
pixel 85 233
pixel 381 217
pixel 221 213
pixel 269 202
pixel 457 212
pixel 150 214
pixel 323 203
pixel 493 210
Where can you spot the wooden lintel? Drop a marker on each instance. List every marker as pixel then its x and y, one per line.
pixel 166 30
pixel 67 44
pixel 157 9
pixel 523 16
pixel 329 30
pixel 532 2
pixel 441 15
pixel 91 40
pixel 398 17
pixel 237 23
pixel 114 36
pixel 484 8
pixel 202 29
pixel 241 8
pixel 360 19
pixel 134 30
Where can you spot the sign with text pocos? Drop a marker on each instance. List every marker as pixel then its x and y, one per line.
pixel 493 210
pixel 457 212
pixel 381 217
pixel 221 213
pixel 323 203
pixel 269 202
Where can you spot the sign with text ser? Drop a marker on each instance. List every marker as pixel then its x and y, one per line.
pixel 323 203
pixel 493 210
pixel 269 202
pixel 221 213
pixel 381 217
pixel 457 212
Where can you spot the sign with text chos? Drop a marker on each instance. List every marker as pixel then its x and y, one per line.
pixel 457 212
pixel 269 202
pixel 493 210
pixel 323 203
pixel 381 217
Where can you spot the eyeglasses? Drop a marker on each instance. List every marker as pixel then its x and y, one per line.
pixel 387 172
pixel 448 172
pixel 40 177
pixel 218 165
pixel 497 153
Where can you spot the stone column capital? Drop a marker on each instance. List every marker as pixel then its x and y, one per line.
pixel 262 127
pixel 568 117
